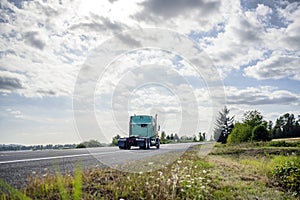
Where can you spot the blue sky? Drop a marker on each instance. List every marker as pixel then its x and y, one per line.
pixel 253 49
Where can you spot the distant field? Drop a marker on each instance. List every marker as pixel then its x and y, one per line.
pixel 288 139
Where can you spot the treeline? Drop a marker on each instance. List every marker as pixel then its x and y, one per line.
pixel 15 147
pixel 253 127
pixel 85 144
pixel 173 138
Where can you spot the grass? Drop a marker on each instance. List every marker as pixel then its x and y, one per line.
pixel 288 139
pixel 241 174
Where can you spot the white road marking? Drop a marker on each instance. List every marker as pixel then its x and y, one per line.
pixel 55 157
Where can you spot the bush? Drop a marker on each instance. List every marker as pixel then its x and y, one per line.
pixel 287 175
pixel 81 145
pixel 90 143
pixel 260 133
pixel 240 133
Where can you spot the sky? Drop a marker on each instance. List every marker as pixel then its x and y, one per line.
pixel 76 70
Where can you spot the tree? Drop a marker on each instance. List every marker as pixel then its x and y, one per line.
pixel 223 125
pixel 240 133
pixel 286 126
pixel 195 138
pixel 172 136
pixel 253 118
pixel 176 137
pixel 201 136
pixel 260 133
pixel 115 140
pixel 270 125
pixel 163 137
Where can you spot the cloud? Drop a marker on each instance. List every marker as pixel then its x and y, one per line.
pixel 279 65
pixel 264 95
pixel 173 8
pixel 11 81
pixel 32 39
pixel 15 113
pixel 98 23
pixel 8 83
pixel 127 39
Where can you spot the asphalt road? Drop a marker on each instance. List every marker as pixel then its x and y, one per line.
pixel 16 167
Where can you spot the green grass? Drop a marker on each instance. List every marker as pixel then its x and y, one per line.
pixel 242 174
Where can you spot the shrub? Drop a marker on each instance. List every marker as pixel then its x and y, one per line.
pixel 81 145
pixel 240 133
pixel 287 174
pixel 260 133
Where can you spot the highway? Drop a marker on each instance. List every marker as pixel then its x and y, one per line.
pixel 17 166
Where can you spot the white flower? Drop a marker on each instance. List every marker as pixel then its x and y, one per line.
pixel 204 171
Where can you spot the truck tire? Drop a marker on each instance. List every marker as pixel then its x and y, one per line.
pixel 157 144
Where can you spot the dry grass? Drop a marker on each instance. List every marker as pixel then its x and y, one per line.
pixel 297 139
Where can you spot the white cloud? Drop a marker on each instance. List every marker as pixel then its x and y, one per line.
pixel 263 95
pixel 279 65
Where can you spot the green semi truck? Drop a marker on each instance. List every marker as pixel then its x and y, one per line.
pixel 143 133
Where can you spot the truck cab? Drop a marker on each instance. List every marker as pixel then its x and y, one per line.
pixel 142 133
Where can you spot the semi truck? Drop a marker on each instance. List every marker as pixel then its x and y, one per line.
pixel 143 133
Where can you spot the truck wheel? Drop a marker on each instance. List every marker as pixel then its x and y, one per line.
pixel 128 147
pixel 157 144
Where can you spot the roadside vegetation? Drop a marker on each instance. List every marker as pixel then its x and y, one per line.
pixel 90 143
pixel 245 171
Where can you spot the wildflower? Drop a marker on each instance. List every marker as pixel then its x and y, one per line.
pixel 179 161
pixel 188 186
pixel 204 171
pixel 150 163
pixel 168 181
pixel 202 187
pixel 140 172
